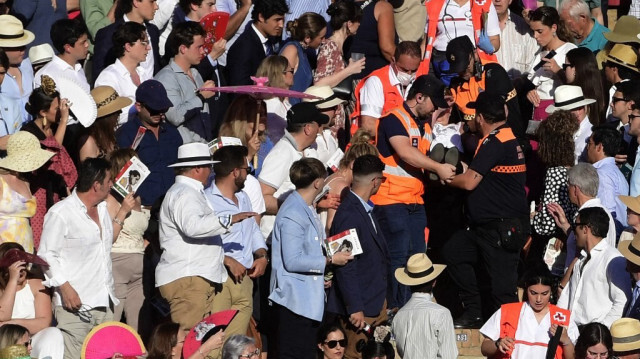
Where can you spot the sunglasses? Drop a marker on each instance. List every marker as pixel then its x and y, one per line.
pixel 382 179
pixel 616 99
pixel 566 66
pixel 250 355
pixel 289 71
pixel 153 112
pixel 334 343
pixel 579 224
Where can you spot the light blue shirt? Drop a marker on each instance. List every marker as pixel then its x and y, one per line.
pixel 368 208
pixel 10 115
pixel 611 185
pixel 11 89
pixel 635 176
pixel 244 238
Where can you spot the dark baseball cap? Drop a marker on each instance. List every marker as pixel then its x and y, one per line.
pixel 458 51
pixel 488 103
pixel 305 112
pixel 152 94
pixel 431 86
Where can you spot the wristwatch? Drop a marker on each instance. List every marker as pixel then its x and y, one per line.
pixel 497 343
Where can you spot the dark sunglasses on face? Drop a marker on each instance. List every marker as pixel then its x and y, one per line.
pixel 153 112
pixel 334 343
pixel 616 99
pixel 566 66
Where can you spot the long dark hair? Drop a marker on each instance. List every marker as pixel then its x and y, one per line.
pixel 589 78
pixel 324 332
pixel 163 339
pixel 592 334
pixel 549 16
pixel 542 279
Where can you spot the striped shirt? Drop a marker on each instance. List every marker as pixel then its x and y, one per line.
pixel 424 329
pixel 517 46
pixel 299 7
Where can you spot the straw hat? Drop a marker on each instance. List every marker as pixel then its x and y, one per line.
pixel 109 338
pixel 24 153
pixel 633 203
pixel 623 55
pixel 626 30
pixel 108 101
pixel 193 154
pixel 626 335
pixel 419 270
pixel 329 98
pixel 631 249
pixel 568 97
pixel 41 54
pixel 12 34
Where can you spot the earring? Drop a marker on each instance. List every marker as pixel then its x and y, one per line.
pixel 554 34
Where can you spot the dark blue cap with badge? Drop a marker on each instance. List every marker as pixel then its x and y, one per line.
pixel 153 95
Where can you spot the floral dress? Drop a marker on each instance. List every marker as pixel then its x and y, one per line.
pixel 15 211
pixel 330 62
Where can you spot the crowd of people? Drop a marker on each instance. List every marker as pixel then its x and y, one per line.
pixel 400 169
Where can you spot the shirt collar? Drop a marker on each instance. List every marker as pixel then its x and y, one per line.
pixel 197 185
pixel 292 141
pixel 262 38
pixel 174 67
pixel 393 79
pixel 63 64
pixel 215 191
pixel 367 207
pixel 604 161
pixel 78 202
pixel 121 69
pixel 426 296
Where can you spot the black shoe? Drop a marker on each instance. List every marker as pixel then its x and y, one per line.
pixel 436 154
pixel 468 323
pixel 452 156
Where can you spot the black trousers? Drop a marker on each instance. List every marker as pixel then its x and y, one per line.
pixel 473 251
pixel 296 335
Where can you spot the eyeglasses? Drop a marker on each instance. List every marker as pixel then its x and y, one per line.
pixel 291 70
pixel 334 343
pixel 566 66
pixel 382 179
pixel 28 343
pixel 244 168
pixel 632 116
pixel 256 353
pixel 579 224
pixel 616 99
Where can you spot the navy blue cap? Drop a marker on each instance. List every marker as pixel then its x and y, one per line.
pixel 152 94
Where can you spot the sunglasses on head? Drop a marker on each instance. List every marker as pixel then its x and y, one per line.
pixel 334 343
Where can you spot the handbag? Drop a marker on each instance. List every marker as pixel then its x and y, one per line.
pixel 344 89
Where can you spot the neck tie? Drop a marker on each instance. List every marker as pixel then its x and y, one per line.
pixel 269 47
pixel 634 298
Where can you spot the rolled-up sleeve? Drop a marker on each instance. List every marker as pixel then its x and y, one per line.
pixel 51 245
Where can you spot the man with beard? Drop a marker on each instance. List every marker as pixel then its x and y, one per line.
pixel 245 251
pixel 403 139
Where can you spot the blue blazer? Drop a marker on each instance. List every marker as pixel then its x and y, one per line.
pixel 360 285
pixel 244 57
pixel 297 261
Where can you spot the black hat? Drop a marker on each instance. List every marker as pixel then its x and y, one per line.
pixel 497 80
pixel 458 51
pixel 305 112
pixel 152 94
pixel 431 86
pixel 487 103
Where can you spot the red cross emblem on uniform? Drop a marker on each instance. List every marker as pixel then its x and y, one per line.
pixel 480 2
pixel 560 316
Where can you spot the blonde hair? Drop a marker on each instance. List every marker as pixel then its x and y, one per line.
pixel 273 67
pixel 241 110
pixel 360 145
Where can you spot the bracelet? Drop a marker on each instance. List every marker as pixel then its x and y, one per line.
pixel 497 343
pixel 117 221
pixel 560 286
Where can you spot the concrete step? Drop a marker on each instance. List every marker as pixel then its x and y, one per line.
pixel 469 342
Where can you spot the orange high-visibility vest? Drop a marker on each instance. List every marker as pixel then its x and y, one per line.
pixel 478 9
pixel 509 318
pixel 401 186
pixel 468 92
pixel 392 97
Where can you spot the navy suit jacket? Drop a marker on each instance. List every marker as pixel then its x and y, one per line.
pixel 244 57
pixel 360 285
pixel 104 56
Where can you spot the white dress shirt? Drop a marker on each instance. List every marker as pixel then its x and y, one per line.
pixel 600 291
pixel 424 329
pixel 118 77
pixel 78 252
pixel 532 338
pixel 372 94
pixel 163 20
pixel 189 232
pixel 57 68
pixel 545 80
pixel 580 139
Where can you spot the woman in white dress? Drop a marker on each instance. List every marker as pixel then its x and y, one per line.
pixel 25 301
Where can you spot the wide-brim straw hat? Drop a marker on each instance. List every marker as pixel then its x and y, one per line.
pixel 193 154
pixel 633 203
pixel 631 249
pixel 626 335
pixel 626 30
pixel 24 153
pixel 623 55
pixel 108 101
pixel 12 33
pixel 419 270
pixel 329 98
pixel 568 97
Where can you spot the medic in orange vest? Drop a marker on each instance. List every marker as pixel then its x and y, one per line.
pixel 385 89
pixel 524 330
pixel 480 14
pixel 464 62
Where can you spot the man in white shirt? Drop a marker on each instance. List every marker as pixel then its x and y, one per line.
pixel 517 45
pixel 423 329
pixel 191 265
pixel 71 42
pixel 76 242
pixel 599 285
pixel 245 251
pixel 304 122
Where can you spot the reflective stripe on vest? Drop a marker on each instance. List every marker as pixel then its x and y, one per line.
pixel 392 97
pixel 509 318
pixel 433 8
